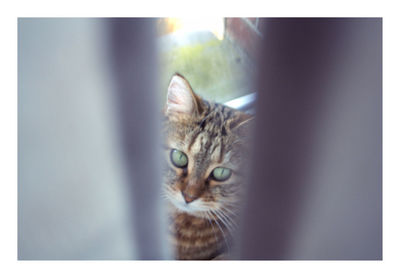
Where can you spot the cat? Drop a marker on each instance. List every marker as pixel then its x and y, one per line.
pixel 205 146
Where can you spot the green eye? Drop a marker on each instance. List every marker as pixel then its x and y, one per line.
pixel 221 174
pixel 179 159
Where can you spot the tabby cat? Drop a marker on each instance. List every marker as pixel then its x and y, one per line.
pixel 205 146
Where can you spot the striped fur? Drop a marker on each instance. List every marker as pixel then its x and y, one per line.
pixel 211 135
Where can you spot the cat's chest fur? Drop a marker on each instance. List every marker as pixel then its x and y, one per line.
pixel 196 238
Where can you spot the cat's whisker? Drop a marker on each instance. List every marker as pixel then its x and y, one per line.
pixel 229 203
pixel 215 217
pixel 232 202
pixel 229 219
pixel 166 193
pixel 226 223
pixel 228 211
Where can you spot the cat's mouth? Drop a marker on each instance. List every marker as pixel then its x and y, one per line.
pixel 196 207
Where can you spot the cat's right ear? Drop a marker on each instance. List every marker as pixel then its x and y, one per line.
pixel 181 99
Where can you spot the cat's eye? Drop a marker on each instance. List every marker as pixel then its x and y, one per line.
pixel 221 173
pixel 179 159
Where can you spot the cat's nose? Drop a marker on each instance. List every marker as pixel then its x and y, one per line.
pixel 188 198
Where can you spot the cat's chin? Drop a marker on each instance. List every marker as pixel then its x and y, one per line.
pixel 189 211
pixel 190 208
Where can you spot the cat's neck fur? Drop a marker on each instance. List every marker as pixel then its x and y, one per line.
pixel 197 238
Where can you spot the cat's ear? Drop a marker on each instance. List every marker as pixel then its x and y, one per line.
pixel 181 99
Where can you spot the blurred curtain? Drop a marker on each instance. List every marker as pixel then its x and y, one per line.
pixel 134 60
pixel 89 167
pixel 316 181
pixel 72 193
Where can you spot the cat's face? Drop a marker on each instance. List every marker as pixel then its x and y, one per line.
pixel 204 150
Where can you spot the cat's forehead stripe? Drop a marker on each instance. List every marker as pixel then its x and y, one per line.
pixel 198 143
pixel 221 154
pixel 193 139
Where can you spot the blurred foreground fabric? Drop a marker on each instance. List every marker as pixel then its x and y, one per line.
pixel 315 191
pixel 72 191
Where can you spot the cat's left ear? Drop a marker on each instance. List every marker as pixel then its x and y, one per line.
pixel 181 99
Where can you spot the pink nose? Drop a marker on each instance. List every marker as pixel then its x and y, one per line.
pixel 188 198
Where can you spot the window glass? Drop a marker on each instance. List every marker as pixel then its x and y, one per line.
pixel 215 65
